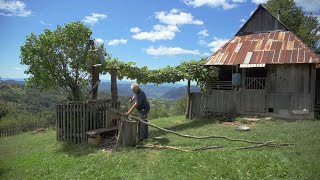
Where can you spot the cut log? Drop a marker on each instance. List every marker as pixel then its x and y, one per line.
pixel 127 134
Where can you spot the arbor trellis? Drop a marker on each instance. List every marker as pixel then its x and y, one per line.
pixel 188 70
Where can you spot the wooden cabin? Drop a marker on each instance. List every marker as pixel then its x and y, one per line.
pixel 265 70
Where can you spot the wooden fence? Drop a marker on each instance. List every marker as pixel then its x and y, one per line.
pixel 18 129
pixel 75 118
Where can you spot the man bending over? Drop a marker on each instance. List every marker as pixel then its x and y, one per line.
pixel 143 107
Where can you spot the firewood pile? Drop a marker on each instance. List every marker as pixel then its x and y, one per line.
pixel 108 142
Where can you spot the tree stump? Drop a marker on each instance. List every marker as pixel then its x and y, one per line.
pixel 127 133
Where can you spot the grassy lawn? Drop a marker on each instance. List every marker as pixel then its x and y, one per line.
pixel 39 156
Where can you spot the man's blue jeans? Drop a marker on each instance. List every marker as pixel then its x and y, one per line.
pixel 143 128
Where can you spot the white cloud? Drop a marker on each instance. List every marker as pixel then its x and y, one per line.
pixel 203 33
pixel 259 1
pixel 115 42
pixel 162 51
pixel 217 43
pixel 242 21
pixel 309 5
pixel 205 54
pixel 176 17
pixel 99 40
pixel 158 32
pixel 94 18
pixel 202 42
pixel 45 24
pixel 135 30
pixel 13 8
pixel 225 4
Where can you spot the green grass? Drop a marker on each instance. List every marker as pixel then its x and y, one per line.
pixel 39 156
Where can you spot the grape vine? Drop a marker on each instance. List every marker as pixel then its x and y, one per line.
pixel 187 70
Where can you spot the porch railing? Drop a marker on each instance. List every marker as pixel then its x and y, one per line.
pixel 222 85
pixel 255 83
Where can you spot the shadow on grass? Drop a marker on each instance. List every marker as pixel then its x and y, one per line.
pixel 180 127
pixel 76 149
pixel 160 140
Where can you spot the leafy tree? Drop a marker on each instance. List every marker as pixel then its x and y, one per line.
pixel 179 106
pixel 306 27
pixel 59 58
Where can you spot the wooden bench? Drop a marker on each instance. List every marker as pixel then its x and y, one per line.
pixel 95 134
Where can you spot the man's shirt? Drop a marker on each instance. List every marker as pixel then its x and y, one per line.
pixel 141 100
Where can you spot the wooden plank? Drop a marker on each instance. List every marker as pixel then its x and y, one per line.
pixel 64 122
pixel 83 123
pixel 101 130
pixel 94 116
pixel 57 129
pixel 77 123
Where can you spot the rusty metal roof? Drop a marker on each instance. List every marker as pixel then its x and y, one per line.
pixel 257 50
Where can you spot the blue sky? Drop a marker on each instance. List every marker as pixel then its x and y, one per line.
pixel 155 33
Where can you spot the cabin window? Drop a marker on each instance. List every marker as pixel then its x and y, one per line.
pixel 255 78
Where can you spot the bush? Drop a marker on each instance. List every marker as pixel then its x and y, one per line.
pixel 179 106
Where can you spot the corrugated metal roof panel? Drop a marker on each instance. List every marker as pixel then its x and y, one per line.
pixel 280 47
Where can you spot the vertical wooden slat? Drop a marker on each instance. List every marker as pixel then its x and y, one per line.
pixel 94 116
pixel 91 116
pixel 76 122
pixel 74 126
pixel 64 122
pixel 60 121
pixel 56 122
pixel 67 122
pixel 79 122
pixel 83 122
pixel 86 118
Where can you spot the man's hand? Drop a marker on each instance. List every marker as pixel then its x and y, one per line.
pixel 131 99
pixel 126 113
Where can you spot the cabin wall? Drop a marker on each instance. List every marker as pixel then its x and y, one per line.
pixel 289 93
pixel 263 21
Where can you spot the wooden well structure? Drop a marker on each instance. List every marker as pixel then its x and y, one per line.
pixel 75 118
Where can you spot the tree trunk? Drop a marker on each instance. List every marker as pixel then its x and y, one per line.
pixel 127 133
pixel 188 101
pixel 114 89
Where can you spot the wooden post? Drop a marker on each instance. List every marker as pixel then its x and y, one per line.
pixel 127 133
pixel 95 79
pixel 114 89
pixel 188 101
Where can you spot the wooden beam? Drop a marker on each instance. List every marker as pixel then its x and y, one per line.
pixel 114 88
pixel 188 100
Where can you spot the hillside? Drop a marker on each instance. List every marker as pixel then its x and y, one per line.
pixel 178 92
pixel 162 91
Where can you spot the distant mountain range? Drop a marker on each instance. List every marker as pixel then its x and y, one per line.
pixel 162 91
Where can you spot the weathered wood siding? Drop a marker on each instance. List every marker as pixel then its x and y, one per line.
pixel 236 102
pixel 317 90
pixel 196 105
pixel 291 88
pixel 290 93
pixel 261 21
pixel 74 119
pixel 224 101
